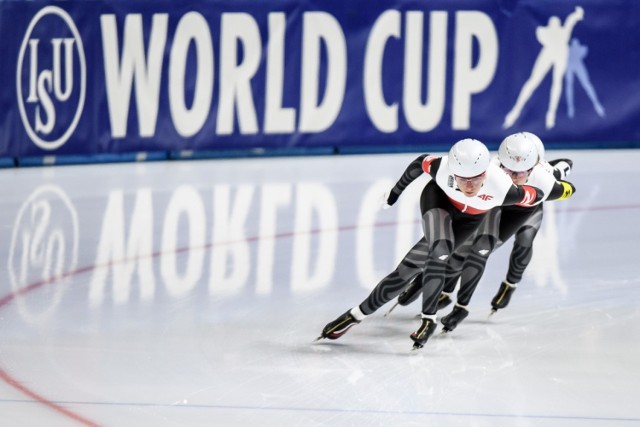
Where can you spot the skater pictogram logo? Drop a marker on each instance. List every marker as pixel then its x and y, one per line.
pixel 561 55
pixel 51 78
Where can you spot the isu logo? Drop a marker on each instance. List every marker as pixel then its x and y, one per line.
pixel 485 197
pixel 44 246
pixel 51 78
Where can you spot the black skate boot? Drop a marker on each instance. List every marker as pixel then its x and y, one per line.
pixel 338 327
pixel 453 319
pixel 426 329
pixel 443 300
pixel 409 294
pixel 502 298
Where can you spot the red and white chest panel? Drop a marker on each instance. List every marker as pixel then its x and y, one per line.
pixel 492 193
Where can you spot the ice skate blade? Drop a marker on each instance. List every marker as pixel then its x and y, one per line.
pixel 391 309
pixel 318 339
pixel 416 346
pixel 444 331
pixel 492 312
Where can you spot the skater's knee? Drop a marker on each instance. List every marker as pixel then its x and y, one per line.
pixel 441 249
pixel 484 245
pixel 525 237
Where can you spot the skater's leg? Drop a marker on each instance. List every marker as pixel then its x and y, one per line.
pixel 389 287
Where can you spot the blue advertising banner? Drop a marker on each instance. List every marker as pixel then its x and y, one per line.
pixel 101 77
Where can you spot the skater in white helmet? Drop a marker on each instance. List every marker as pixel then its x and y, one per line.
pixel 519 156
pixel 465 186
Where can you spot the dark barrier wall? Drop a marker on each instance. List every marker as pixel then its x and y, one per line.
pixel 106 77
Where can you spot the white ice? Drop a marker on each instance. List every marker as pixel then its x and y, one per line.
pixel 190 293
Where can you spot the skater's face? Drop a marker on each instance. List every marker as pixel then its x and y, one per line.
pixel 518 178
pixel 471 186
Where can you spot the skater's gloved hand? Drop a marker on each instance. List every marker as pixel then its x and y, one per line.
pixel 562 167
pixel 388 199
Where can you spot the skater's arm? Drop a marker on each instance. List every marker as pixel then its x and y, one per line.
pixel 561 190
pixel 413 171
pixel 561 167
pixel 523 195
pixel 576 16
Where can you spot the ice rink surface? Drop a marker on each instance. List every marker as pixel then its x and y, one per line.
pixel 190 293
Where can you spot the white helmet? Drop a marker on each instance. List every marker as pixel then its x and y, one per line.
pixel 538 143
pixel 518 152
pixel 468 158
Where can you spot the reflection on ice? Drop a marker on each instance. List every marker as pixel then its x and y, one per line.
pixel 226 240
pixel 130 288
